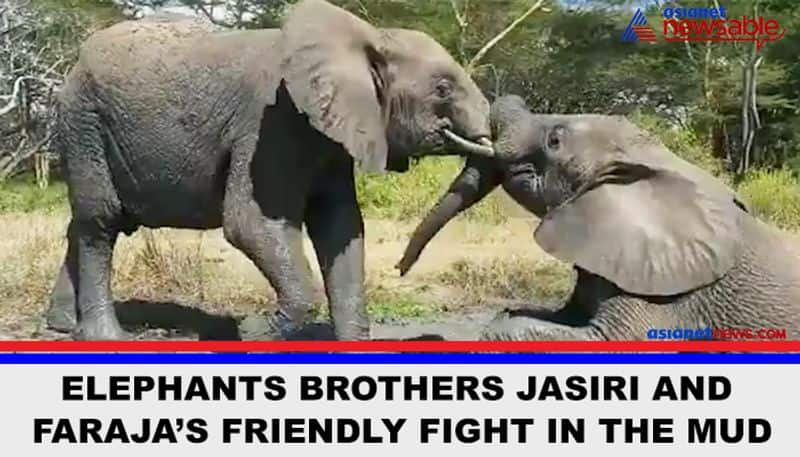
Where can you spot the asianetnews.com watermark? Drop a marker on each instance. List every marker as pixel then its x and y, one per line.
pixel 708 333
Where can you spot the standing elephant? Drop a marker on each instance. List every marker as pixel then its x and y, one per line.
pixel 168 123
pixel 656 241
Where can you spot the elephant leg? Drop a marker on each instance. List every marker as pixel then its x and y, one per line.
pixel 336 228
pixel 265 202
pixel 570 314
pixel 276 249
pixel 508 326
pixel 97 216
pixel 62 315
pixel 97 317
pixel 610 316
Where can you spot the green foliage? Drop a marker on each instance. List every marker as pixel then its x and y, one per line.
pixel 773 196
pixel 568 59
pixel 684 142
pixel 22 195
pixel 98 11
pixel 413 193
pixel 385 305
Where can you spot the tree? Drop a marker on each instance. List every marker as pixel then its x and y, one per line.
pixel 38 45
pixel 569 60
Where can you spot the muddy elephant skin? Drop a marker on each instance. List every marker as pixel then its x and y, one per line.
pixel 656 241
pixel 169 122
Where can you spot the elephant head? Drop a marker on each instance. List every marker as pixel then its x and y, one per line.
pixel 611 199
pixel 383 94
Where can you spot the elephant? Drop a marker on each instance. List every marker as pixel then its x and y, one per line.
pixel 173 123
pixel 656 242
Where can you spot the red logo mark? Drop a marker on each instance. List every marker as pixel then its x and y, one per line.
pixel 645 33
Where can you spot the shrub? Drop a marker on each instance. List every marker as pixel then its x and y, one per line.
pixel 24 196
pixel 773 195
pixel 683 142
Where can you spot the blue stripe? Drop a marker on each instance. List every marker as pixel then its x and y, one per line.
pixel 638 19
pixel 370 359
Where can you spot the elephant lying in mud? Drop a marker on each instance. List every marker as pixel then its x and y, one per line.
pixel 169 123
pixel 656 241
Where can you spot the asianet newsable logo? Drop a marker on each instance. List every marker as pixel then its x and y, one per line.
pixel 708 333
pixel 704 24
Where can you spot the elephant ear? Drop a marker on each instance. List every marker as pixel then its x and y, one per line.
pixel 650 231
pixel 336 73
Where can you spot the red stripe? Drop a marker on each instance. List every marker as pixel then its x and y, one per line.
pixel 399 346
pixel 643 30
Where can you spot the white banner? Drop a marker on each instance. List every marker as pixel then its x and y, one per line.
pixel 302 410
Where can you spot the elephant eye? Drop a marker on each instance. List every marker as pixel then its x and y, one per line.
pixel 554 137
pixel 444 88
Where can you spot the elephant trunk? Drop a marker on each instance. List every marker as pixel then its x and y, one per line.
pixel 479 177
pixel 484 170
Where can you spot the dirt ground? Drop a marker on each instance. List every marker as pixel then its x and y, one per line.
pixel 190 284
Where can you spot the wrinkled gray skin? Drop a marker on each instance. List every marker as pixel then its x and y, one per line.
pixel 168 123
pixel 656 242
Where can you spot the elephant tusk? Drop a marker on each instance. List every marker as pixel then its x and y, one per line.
pixel 482 148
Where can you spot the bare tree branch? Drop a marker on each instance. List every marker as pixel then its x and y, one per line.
pixel 14 97
pixel 36 47
pixel 209 14
pixel 9 30
pixel 9 167
pixel 493 42
pixel 460 18
pixel 364 11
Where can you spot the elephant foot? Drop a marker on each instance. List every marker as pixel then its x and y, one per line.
pixel 105 326
pixel 273 327
pixel 506 327
pixel 61 316
pixel 509 326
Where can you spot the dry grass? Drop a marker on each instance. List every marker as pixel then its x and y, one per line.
pixel 164 265
pixel 468 263
pixel 30 252
pixel 511 278
pixel 182 266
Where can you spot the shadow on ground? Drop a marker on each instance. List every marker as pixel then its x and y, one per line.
pixel 161 320
pixel 154 320
pixel 138 315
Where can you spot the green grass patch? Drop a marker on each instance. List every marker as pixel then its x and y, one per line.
pixel 773 195
pixel 22 195
pixel 385 305
pixel 412 194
